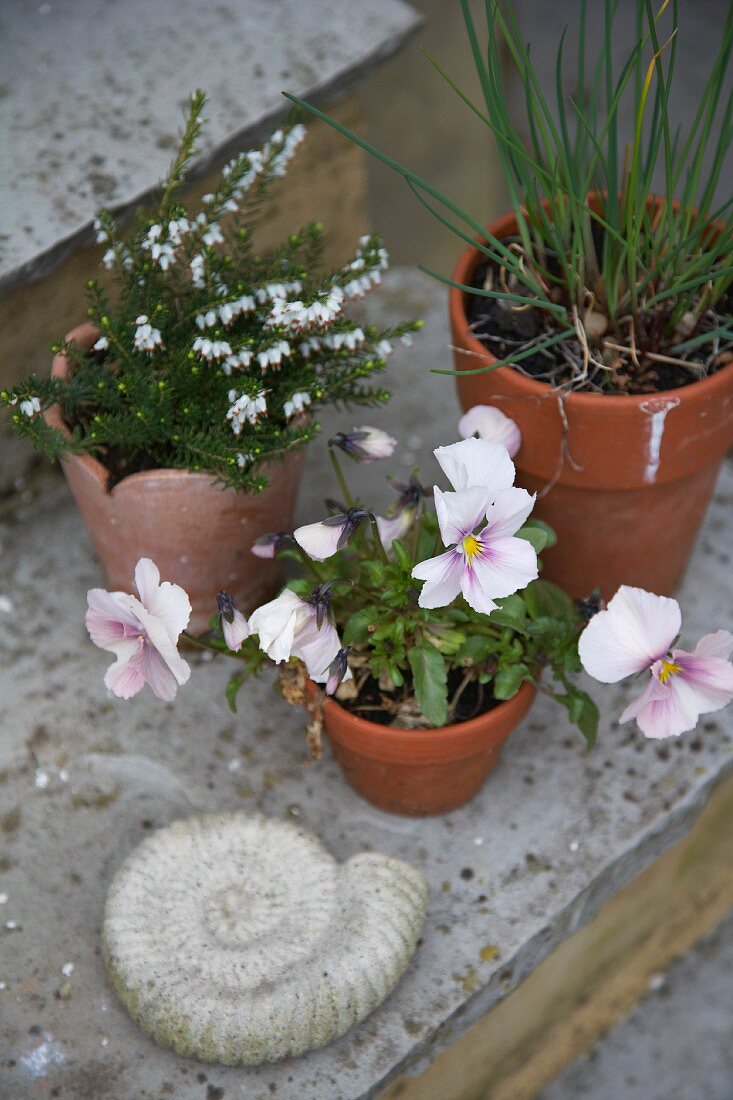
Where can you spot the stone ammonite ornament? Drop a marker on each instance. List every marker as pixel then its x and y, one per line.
pixel 237 938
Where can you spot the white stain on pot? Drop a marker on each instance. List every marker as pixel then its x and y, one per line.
pixel 656 409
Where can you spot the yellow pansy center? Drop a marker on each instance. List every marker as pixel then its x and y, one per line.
pixel 471 546
pixel 669 668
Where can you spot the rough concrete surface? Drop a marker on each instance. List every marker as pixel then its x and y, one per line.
pixel 554 833
pixel 102 86
pixel 678 1043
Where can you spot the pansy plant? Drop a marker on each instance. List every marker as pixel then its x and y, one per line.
pixel 429 614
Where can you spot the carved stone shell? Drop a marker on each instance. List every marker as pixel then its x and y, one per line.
pixel 237 938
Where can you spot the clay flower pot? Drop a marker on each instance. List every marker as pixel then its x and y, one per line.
pixel 420 772
pixel 198 534
pixel 646 465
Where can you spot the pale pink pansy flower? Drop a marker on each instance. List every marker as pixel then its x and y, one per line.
pixel 323 539
pixel 395 527
pixel 490 423
pixel 338 670
pixel 233 624
pixel 636 633
pixel 291 627
pixel 267 546
pixel 486 565
pixel 365 444
pixel 142 633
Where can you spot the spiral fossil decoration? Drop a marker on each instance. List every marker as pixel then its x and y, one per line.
pixel 238 939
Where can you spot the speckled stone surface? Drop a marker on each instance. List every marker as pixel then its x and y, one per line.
pixel 237 939
pixel 93 92
pixel 555 831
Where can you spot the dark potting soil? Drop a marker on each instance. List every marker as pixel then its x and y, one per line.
pixel 503 330
pixel 475 699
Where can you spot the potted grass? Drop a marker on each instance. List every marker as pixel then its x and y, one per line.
pixel 419 661
pixel 181 409
pixel 597 312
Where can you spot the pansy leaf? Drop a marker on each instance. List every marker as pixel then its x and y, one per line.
pixel 232 689
pixel 582 712
pixel 430 680
pixel 356 630
pixel 544 598
pixel 540 525
pixel 507 681
pixel 534 536
pixel 401 556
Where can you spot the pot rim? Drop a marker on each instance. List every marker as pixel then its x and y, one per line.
pixel 439 744
pixel 530 387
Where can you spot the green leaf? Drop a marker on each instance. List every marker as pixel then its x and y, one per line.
pixel 508 681
pixel 401 556
pixel 550 536
pixel 356 630
pixel 534 536
pixel 582 712
pixel 511 612
pixel 543 598
pixel 475 649
pixel 430 680
pixel 232 690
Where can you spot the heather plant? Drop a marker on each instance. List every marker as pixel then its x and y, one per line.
pixel 211 355
pixel 617 289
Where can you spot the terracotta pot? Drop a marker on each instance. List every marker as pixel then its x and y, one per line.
pixel 198 534
pixel 646 465
pixel 421 772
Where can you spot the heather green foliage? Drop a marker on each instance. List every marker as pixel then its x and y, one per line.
pixel 616 283
pixel 211 356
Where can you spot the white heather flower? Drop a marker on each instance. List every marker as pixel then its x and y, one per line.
pixel 153 234
pixel 211 349
pixel 231 206
pixel 100 231
pixel 383 349
pixel 101 344
pixel 208 198
pixel 213 235
pixel 176 228
pixel 109 258
pixel 244 460
pixel 162 254
pixel 241 358
pixel 273 356
pixel 146 337
pixel 30 407
pixel 226 313
pixel 273 291
pixel 246 409
pixel 197 270
pixel 297 404
pixel 206 320
pixel 308 346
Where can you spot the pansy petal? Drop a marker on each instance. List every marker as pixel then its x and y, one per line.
pixel 668 715
pixel 488 422
pixel 651 693
pixel 236 631
pixel 508 511
pixel 110 618
pixel 458 513
pixel 474 592
pixel 156 673
pixel 275 623
pixel 442 576
pixel 504 566
pixel 319 540
pixel 636 629
pixel 474 462
pixel 719 644
pixel 124 678
pixel 396 528
pixel 708 680
pixel 159 637
pixel 316 648
pixel 147 580
pixel 171 606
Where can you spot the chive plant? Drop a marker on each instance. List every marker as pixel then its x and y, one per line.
pixel 629 290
